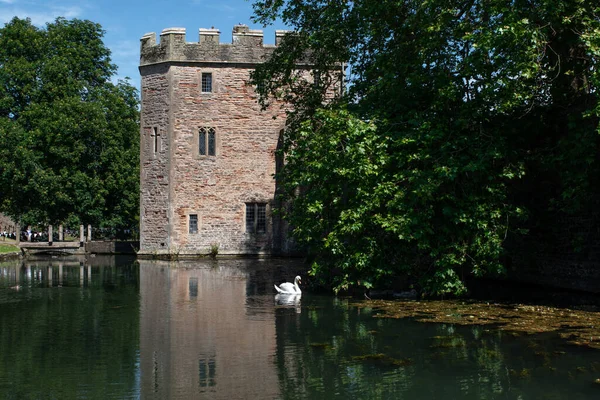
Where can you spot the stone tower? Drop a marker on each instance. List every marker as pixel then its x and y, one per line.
pixel 207 150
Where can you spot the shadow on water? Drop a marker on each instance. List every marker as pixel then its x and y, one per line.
pixel 117 328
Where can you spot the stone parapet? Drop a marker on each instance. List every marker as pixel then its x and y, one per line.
pixel 247 47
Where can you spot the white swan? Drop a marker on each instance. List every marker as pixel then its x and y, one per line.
pixel 289 288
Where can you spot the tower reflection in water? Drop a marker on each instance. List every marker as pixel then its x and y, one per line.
pixel 198 339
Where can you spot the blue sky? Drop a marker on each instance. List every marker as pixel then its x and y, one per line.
pixel 126 21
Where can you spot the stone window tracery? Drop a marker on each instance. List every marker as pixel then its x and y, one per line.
pixel 207 141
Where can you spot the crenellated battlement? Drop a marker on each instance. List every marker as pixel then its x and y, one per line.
pixel 247 46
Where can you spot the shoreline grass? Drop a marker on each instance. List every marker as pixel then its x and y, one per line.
pixel 8 246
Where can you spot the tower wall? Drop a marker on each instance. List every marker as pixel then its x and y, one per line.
pixel 176 180
pixel 155 158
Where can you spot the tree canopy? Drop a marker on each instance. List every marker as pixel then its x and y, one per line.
pixel 462 125
pixel 69 136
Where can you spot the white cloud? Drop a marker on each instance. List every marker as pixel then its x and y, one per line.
pixel 39 17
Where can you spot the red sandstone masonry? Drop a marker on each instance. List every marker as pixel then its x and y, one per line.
pixel 175 180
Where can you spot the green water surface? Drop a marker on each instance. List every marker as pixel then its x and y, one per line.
pixel 117 328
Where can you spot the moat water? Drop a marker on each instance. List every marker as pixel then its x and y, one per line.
pixel 116 328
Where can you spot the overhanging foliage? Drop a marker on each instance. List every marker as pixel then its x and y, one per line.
pixel 461 120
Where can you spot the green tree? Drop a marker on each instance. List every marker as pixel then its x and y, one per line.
pixel 69 142
pixel 472 107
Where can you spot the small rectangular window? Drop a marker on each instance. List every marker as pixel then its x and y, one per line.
pixel 206 82
pixel 193 287
pixel 256 217
pixel 207 141
pixel 193 223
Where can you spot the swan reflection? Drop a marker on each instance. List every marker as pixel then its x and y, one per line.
pixel 285 300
